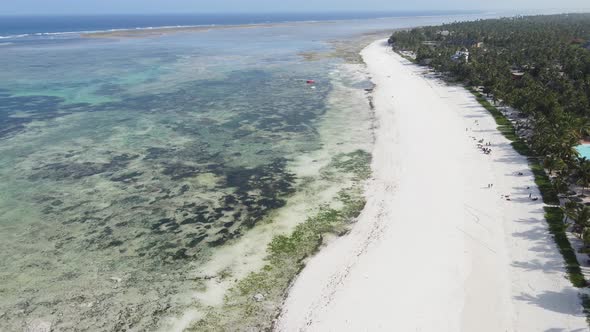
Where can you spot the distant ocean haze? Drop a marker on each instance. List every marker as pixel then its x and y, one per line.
pixel 27 25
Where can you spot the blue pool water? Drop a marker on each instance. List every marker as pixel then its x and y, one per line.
pixel 584 150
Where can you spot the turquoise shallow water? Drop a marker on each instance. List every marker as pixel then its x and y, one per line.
pixel 126 163
pixel 584 150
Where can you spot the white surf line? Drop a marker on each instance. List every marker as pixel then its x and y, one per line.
pixel 428 268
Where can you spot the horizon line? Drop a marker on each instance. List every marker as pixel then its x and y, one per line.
pixel 531 11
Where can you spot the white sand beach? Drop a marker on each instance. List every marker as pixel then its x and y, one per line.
pixel 435 249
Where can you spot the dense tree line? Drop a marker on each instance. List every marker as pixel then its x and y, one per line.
pixel 549 50
pixel 540 65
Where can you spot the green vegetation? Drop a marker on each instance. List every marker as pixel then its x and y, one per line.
pixel 554 215
pixel 357 163
pixel 544 183
pixel 586 304
pixel 504 125
pixel 557 228
pixel 539 65
pixel 286 255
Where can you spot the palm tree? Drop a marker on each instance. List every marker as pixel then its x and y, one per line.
pixel 581 218
pixel 583 173
pixel 583 127
pixel 586 239
pixel 569 209
pixel 553 163
pixel 560 185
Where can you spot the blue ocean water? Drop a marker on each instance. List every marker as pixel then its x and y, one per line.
pixel 15 26
pixel 128 164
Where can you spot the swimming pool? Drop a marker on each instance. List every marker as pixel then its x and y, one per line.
pixel 584 150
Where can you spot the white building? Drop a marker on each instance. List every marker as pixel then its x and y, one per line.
pixel 462 55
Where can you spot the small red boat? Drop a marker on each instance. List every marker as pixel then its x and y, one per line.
pixel 310 82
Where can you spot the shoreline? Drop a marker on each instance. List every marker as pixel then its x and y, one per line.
pixel 335 171
pixel 489 263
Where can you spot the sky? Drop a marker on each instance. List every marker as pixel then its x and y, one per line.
pixel 39 7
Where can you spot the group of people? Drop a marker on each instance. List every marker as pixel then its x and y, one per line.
pixel 531 197
pixel 483 146
pixel 484 149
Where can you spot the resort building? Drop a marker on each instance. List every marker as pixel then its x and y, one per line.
pixel 461 55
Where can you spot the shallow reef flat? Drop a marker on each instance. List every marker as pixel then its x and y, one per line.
pixel 122 188
pixel 246 282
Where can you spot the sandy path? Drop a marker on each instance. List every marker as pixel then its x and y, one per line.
pixel 435 249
